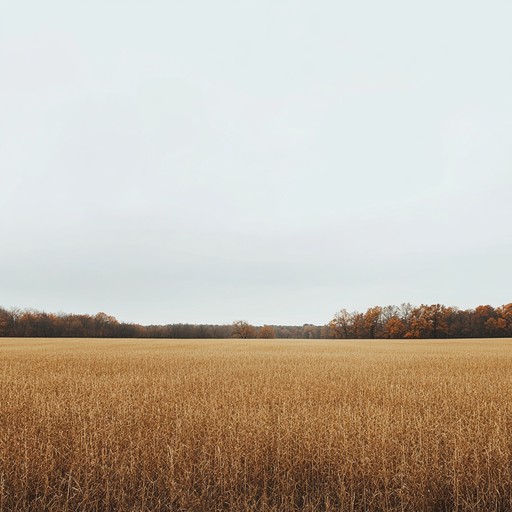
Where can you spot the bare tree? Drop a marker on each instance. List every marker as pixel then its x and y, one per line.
pixel 340 325
pixel 243 329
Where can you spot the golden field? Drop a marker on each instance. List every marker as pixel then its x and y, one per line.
pixel 253 425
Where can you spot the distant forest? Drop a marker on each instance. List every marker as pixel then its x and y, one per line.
pixel 405 321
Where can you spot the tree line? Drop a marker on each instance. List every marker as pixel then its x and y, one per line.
pixel 405 321
pixel 425 321
pixel 17 322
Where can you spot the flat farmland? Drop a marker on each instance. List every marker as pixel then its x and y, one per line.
pixel 253 425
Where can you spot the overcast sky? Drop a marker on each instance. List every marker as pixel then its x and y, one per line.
pixel 274 161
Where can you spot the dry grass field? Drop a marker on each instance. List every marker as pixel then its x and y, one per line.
pixel 139 425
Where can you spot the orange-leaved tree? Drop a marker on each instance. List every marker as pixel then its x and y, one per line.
pixel 266 332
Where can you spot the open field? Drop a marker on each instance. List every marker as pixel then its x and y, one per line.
pixel 255 425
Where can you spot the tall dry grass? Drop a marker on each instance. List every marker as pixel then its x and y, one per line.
pixel 255 425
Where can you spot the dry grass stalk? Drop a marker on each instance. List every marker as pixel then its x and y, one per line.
pixel 255 425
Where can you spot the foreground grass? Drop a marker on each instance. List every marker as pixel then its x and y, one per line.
pixel 255 425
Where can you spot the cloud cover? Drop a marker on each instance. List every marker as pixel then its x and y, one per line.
pixel 274 161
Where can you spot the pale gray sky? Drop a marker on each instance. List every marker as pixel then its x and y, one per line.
pixel 275 161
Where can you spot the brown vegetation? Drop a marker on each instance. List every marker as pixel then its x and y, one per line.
pixel 266 332
pixel 405 321
pixel 426 321
pixel 255 425
pixel 37 324
pixel 243 329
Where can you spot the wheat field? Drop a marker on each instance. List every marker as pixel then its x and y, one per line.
pixel 252 425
